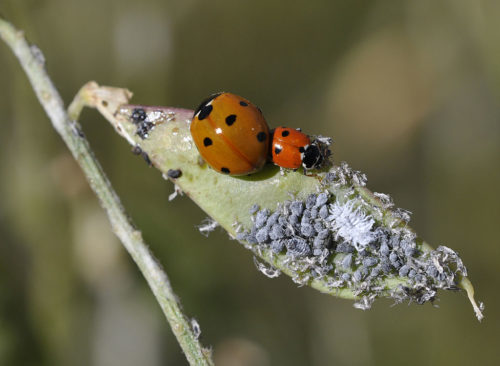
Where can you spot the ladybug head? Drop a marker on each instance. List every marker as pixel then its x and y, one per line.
pixel 313 157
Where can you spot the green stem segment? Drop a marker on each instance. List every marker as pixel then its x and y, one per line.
pixel 131 238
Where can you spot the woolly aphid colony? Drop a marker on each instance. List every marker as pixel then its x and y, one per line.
pixel 339 240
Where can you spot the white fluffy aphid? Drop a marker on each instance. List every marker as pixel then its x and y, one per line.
pixel 351 224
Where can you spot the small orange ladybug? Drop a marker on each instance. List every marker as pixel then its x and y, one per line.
pixel 292 149
pixel 231 134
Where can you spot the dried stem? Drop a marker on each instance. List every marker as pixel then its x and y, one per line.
pixel 31 59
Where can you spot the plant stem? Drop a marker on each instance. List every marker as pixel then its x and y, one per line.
pixel 32 62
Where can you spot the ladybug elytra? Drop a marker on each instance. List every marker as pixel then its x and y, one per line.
pixel 231 134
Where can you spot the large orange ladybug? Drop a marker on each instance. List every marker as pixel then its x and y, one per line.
pixel 231 134
pixel 292 149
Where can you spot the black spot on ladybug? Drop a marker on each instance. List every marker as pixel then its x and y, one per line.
pixel 206 101
pixel 277 150
pixel 225 170
pixel 174 173
pixel 138 115
pixel 230 119
pixel 261 136
pixel 301 149
pixel 285 133
pixel 205 111
pixel 244 104
pixel 207 141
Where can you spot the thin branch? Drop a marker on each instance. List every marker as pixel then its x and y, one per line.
pixel 31 59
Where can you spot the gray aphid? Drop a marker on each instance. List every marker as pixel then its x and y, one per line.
pixel 314 212
pixel 323 234
pixel 311 200
pixel 346 276
pixel 277 246
pixel 394 241
pixel 307 230
pixel 323 212
pixel 297 207
pixel 273 219
pixel 321 199
pixel 357 276
pixel 330 177
pixel 319 242
pixel 317 251
pixel 432 271
pixel 289 231
pixel 261 218
pixel 347 261
pixel 393 257
pixel 283 220
pixel 262 235
pixel 370 261
pixel 255 207
pixel 364 253
pixel 297 247
pixel 419 278
pixel 384 249
pixel 277 232
pixel 410 251
pixel 404 270
pixel 318 226
pixel 385 266
pixel 404 244
pixel 364 271
pixel 293 219
pixel 344 248
pixel 250 238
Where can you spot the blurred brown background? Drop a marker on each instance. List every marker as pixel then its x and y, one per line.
pixel 408 89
